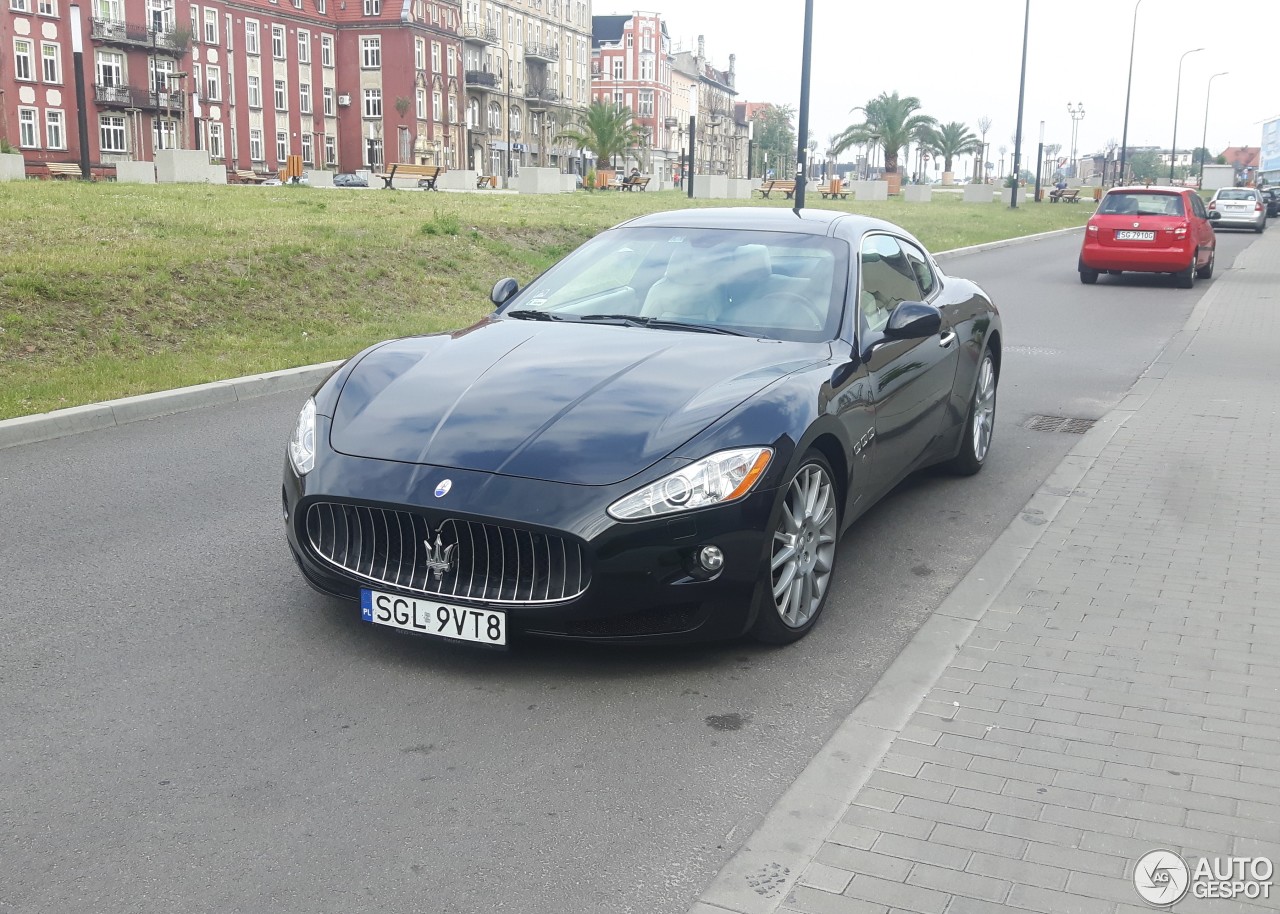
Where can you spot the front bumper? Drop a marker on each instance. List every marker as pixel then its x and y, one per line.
pixel 645 583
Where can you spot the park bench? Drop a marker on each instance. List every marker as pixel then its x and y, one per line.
pixel 631 182
pixel 426 174
pixel 1064 196
pixel 483 181
pixel 64 169
pixel 245 176
pixel 788 188
pixel 834 190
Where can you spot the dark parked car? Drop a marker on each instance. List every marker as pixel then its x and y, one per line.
pixel 660 438
pixel 1271 197
pixel 1150 230
pixel 349 179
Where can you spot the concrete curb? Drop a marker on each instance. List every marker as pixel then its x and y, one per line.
pixel 93 416
pixel 760 875
pixel 77 419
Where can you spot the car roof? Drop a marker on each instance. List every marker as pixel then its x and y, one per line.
pixel 768 219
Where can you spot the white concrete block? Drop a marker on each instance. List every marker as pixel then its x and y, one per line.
pixel 136 172
pixel 870 190
pixel 710 187
pixel 979 193
pixel 185 166
pixel 917 193
pixel 12 167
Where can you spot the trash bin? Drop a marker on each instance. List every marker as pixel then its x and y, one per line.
pixel 1097 193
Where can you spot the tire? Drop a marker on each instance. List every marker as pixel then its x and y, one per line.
pixel 1207 270
pixel 1185 279
pixel 795 579
pixel 1088 277
pixel 979 427
pixel 1258 228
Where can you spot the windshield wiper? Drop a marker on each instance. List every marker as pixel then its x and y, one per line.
pixel 655 323
pixel 530 314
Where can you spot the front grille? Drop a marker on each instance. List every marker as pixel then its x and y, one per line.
pixel 454 558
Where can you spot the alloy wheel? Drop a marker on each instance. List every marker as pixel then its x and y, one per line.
pixel 984 409
pixel 804 546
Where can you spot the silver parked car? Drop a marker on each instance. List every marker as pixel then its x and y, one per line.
pixel 1240 207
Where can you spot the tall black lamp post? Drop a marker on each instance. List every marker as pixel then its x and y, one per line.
pixel 1204 138
pixel 1124 138
pixel 693 139
pixel 802 148
pixel 1077 115
pixel 1177 98
pixel 1022 94
pixel 82 113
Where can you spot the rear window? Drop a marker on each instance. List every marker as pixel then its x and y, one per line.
pixel 1235 195
pixel 1138 204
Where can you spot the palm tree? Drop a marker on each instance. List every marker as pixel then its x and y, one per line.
pixel 607 130
pixel 952 140
pixel 891 120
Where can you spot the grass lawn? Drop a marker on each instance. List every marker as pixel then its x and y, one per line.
pixel 108 290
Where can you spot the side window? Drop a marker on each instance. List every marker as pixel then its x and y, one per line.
pixel 923 270
pixel 887 279
pixel 1197 206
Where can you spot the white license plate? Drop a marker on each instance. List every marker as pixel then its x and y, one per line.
pixel 431 617
pixel 1135 236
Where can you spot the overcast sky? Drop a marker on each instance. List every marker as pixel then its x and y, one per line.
pixel 962 61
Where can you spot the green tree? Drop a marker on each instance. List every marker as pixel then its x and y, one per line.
pixel 1144 165
pixel 773 134
pixel 607 130
pixel 1200 155
pixel 950 141
pixel 889 121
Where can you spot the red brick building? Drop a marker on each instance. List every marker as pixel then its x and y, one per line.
pixel 631 67
pixel 345 84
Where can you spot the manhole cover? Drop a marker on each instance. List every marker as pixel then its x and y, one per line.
pixel 1059 424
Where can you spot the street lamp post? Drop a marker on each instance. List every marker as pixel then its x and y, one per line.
pixel 1077 115
pixel 506 116
pixel 1204 138
pixel 1022 94
pixel 82 114
pixel 1124 139
pixel 1039 161
pixel 1177 97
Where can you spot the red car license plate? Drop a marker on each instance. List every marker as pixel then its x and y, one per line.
pixel 1135 236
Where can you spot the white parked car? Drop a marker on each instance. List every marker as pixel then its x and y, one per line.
pixel 1240 207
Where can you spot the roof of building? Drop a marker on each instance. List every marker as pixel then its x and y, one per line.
pixel 1242 156
pixel 607 29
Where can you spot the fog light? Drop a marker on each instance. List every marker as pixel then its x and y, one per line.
pixel 711 558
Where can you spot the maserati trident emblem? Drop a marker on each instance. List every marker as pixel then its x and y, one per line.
pixel 443 489
pixel 439 560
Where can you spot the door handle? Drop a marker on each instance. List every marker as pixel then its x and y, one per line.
pixel 947 339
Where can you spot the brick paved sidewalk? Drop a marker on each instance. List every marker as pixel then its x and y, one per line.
pixel 1122 692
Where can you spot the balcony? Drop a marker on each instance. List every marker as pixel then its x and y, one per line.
pixel 477 33
pixel 169 101
pixel 538 99
pixel 541 52
pixel 130 35
pixel 120 97
pixel 480 79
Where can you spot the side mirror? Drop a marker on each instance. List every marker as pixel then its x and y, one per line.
pixel 1214 215
pixel 503 290
pixel 913 320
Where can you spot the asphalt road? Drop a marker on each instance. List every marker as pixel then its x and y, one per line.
pixel 187 727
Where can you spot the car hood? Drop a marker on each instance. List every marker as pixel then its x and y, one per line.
pixel 567 402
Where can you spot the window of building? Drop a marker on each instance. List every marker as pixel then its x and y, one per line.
pixel 646 68
pixel 27 134
pixel 277 42
pixel 419 54
pixel 304 98
pixel 453 108
pixel 473 113
pixel 618 101
pixel 631 41
pixel 373 7
pixel 326 50
pixel 23 68
pixel 327 100
pixel 255 91
pixel 618 65
pixel 55 132
pixel 20 6
pixel 111 135
pixel 330 150
pixel 322 6
pixel 435 57
pixel 229 32
pixel 304 46
pixel 420 104
pixel 210 26
pixel 453 61
pixel 110 68
pixel 164 134
pixel 515 120
pixel 51 62
pixel 644 103
pixel 371 52
pixel 306 149
pixel 195 22
pixel 216 149
pixel 282 102
pixel 251 28
pixel 282 146
pixel 47 8
pixel 436 107
pixel 373 103
pixel 213 83
pixel 255 144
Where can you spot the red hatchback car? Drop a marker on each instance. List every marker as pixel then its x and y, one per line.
pixel 1150 230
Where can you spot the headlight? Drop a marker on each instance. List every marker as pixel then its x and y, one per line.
pixel 302 446
pixel 716 480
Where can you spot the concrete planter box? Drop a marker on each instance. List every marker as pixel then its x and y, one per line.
pixel 870 190
pixel 740 188
pixel 539 181
pixel 979 193
pixel 457 179
pixel 568 183
pixel 135 172
pixel 12 167
pixel 1006 195
pixel 710 187
pixel 320 177
pixel 187 166
pixel 917 193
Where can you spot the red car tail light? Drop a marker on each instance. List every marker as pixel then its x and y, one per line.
pixel 1092 228
pixel 1181 230
pixel 1257 207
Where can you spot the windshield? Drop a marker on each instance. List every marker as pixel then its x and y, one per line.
pixel 1131 204
pixel 775 285
pixel 1235 195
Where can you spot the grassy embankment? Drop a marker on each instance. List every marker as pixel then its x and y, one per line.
pixel 108 290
